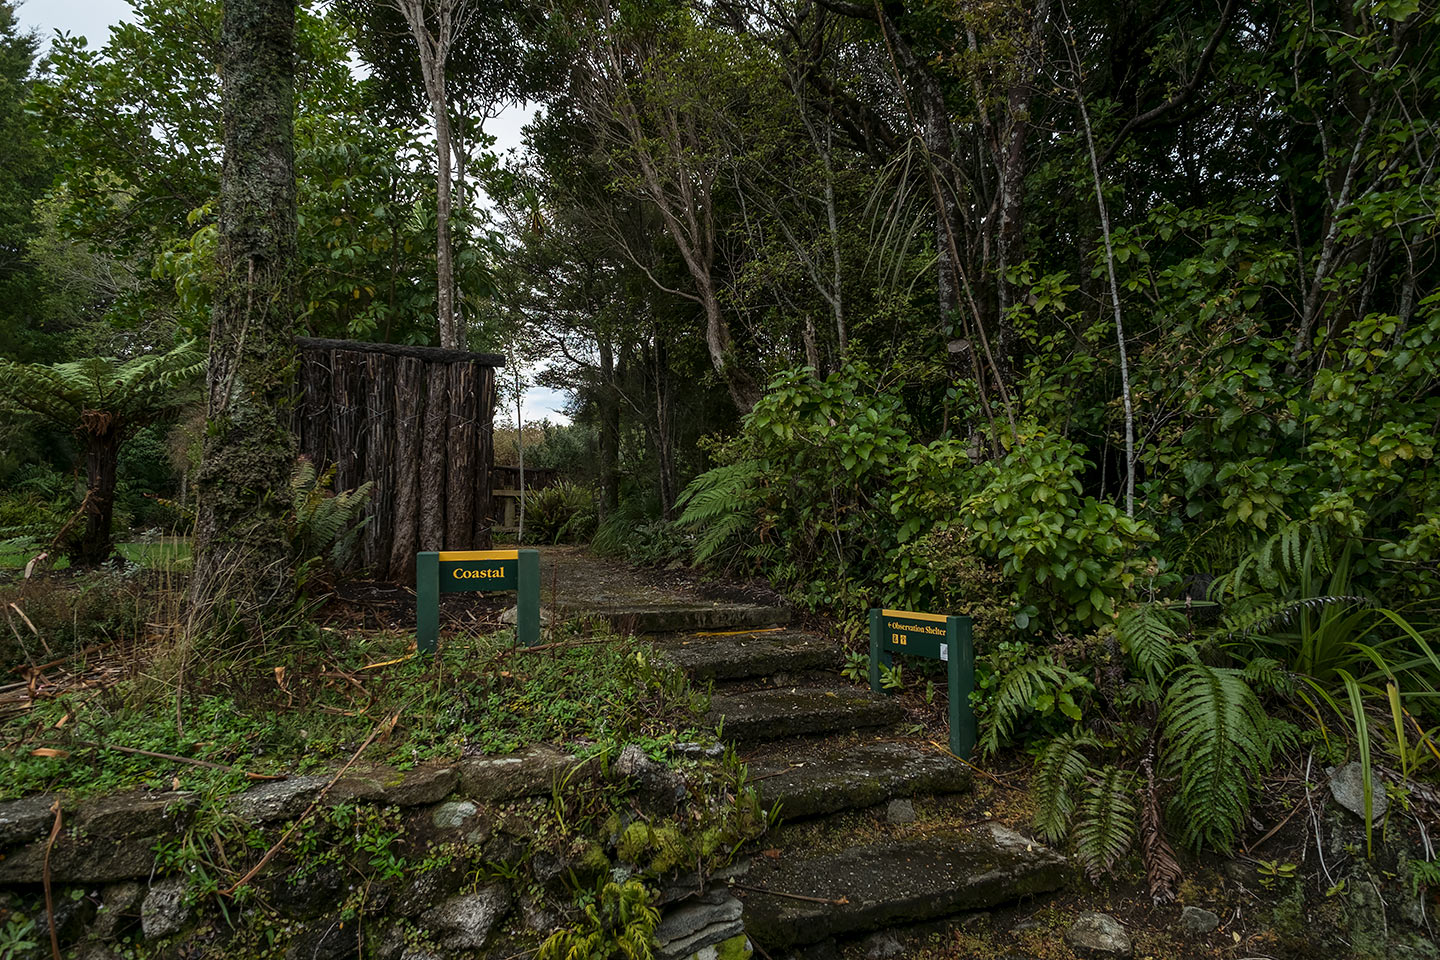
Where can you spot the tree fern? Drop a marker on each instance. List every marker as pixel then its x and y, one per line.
pixel 1059 771
pixel 1217 742
pixel 1105 823
pixel 1018 695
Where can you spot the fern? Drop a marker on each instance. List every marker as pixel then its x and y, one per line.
pixel 1105 823
pixel 1059 770
pixel 717 504
pixel 1147 635
pixel 1018 694
pixel 1217 742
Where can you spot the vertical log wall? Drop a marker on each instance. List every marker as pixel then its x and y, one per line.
pixel 414 421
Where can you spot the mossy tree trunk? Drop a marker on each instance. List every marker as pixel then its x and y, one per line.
pixel 241 547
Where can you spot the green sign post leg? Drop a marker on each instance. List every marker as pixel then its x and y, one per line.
pixel 427 602
pixel 878 654
pixel 527 599
pixel 961 675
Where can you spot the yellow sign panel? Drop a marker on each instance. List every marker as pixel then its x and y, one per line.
pixel 453 556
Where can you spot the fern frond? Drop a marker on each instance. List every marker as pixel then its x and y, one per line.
pixel 1105 823
pixel 1017 695
pixel 1217 743
pixel 1148 636
pixel 1059 770
pixel 718 503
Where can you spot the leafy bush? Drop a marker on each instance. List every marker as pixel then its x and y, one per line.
pixel 560 513
pixel 324 526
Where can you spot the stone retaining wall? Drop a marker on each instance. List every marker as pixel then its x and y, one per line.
pixel 486 869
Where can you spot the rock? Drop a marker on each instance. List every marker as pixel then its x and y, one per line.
pixel 658 786
pixel 303 896
pixel 84 859
pixel 277 800
pixel 690 749
pixel 528 773
pixel 119 908
pixel 900 811
pixel 136 814
pixel 892 882
pixel 464 922
pixel 736 948
pixel 852 776
pixel 1347 786
pixel 882 946
pixel 704 922
pixel 165 911
pixel 424 890
pixel 758 655
pixel 327 939
pixel 1099 935
pixel 24 820
pixel 74 915
pixel 777 714
pixel 1195 922
pixel 422 786
pixel 453 815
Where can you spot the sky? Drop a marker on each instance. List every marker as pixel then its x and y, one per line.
pixel 91 19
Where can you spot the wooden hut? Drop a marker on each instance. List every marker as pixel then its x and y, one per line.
pixel 417 423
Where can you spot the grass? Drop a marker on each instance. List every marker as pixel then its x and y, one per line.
pixel 151 554
pixel 310 704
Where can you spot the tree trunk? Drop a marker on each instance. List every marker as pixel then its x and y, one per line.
pixel 609 404
pixel 409 417
pixel 444 268
pixel 665 431
pixel 380 459
pixel 460 473
pixel 102 456
pixel 241 548
pixel 432 459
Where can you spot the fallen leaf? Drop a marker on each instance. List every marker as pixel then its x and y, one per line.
pixel 49 752
pixel 174 783
pixel 280 677
pixel 773 854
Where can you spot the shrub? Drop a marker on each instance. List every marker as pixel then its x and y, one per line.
pixel 560 513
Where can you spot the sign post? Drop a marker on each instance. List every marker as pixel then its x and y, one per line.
pixel 937 637
pixel 467 571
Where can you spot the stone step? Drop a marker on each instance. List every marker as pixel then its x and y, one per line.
pixel 810 782
pixel 744 654
pixel 671 616
pixel 775 714
pixel 894 882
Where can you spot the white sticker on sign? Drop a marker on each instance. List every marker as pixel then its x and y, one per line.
pixel 944 651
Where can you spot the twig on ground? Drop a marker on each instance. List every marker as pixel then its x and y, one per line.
pixel 45 876
pixel 984 773
pixel 386 725
pixel 791 896
pixel 178 759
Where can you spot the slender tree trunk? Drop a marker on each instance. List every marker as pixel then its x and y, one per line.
pixel 519 444
pixel 609 429
pixel 665 431
pixel 241 549
pixel 444 266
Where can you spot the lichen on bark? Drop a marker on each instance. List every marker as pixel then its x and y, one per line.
pixel 241 546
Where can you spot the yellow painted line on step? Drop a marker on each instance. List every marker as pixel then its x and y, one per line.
pixel 736 633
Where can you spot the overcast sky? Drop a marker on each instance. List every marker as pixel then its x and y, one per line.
pixel 91 19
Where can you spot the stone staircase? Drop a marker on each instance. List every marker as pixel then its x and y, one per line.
pixel 832 755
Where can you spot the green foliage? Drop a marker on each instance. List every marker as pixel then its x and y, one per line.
pixel 1218 742
pixel 1105 825
pixel 1060 771
pixel 125 394
pixel 563 512
pixel 619 922
pixel 1045 689
pixel 325 526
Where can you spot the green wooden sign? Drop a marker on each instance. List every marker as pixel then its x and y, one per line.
pixel 468 571
pixel 937 637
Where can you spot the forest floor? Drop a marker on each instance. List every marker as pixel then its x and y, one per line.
pixel 95 707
